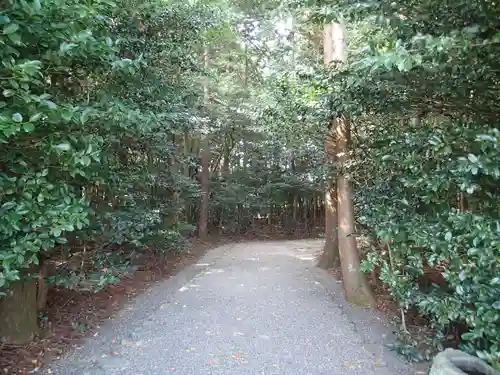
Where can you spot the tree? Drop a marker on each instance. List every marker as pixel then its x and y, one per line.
pixel 330 257
pixel 102 158
pixel 205 159
pixel 426 132
pixel 89 133
pixel 356 286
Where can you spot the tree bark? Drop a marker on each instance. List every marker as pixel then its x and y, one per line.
pixel 356 286
pixel 205 161
pixel 314 207
pixel 18 312
pixel 330 257
pixel 42 288
pixel 205 189
pixel 225 164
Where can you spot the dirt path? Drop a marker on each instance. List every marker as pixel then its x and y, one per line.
pixel 251 308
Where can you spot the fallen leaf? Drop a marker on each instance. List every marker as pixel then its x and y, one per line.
pixel 240 357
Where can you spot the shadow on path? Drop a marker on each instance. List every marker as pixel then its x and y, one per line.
pixel 249 308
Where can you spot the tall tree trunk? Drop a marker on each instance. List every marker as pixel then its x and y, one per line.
pixel 225 162
pixel 226 158
pixel 205 162
pixel 205 189
pixel 330 257
pixel 356 286
pixel 314 207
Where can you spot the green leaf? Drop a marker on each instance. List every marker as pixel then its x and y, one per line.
pixel 28 127
pixel 469 336
pixel 85 160
pixel 448 236
pixel 10 28
pixel 37 5
pixel 405 65
pixel 472 158
pixel 85 115
pixel 8 93
pixel 64 146
pixel 35 117
pixel 15 37
pixel 17 117
pixel 50 104
pixel 62 240
pixel 66 47
pixel 496 305
pixel 8 205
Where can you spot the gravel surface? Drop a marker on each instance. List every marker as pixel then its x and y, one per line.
pixel 252 308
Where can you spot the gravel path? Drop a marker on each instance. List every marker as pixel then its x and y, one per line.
pixel 252 308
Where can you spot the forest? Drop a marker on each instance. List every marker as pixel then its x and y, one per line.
pixel 135 126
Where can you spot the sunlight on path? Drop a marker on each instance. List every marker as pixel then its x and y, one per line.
pixel 255 308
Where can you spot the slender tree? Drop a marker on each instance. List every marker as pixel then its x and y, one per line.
pixel 356 286
pixel 330 257
pixel 205 162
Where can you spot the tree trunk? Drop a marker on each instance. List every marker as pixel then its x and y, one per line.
pixel 356 286
pixel 330 258
pixel 42 288
pixel 314 211
pixel 225 164
pixel 18 312
pixel 205 161
pixel 305 213
pixel 205 189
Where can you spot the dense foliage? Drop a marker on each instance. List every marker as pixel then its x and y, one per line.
pixel 86 145
pixel 421 85
pixel 104 106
